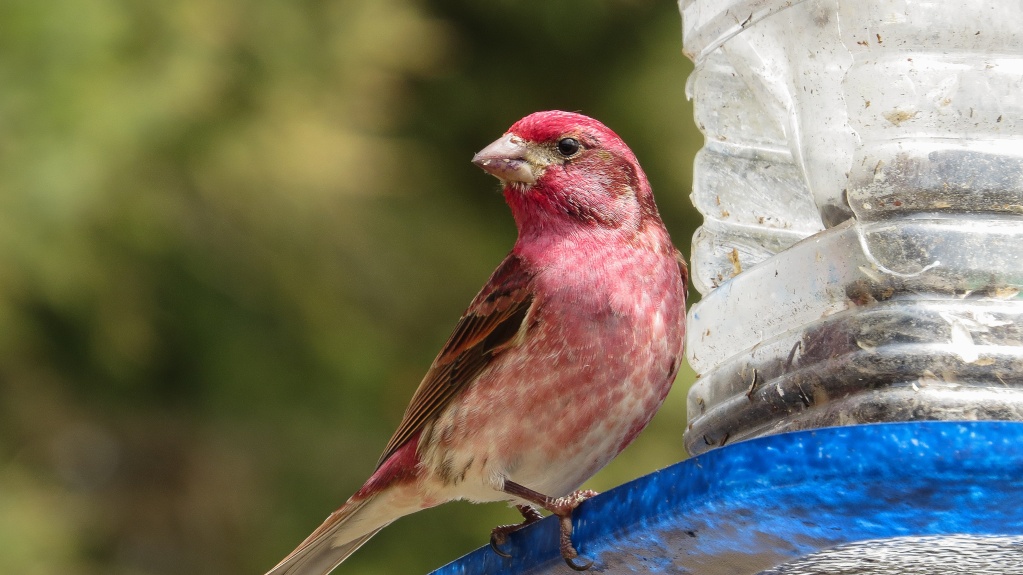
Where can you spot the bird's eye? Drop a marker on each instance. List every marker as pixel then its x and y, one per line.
pixel 568 147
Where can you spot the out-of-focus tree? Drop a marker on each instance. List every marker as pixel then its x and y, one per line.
pixel 233 235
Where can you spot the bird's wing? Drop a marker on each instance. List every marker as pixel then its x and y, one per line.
pixel 683 270
pixel 494 321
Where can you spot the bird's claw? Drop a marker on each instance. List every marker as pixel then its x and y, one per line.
pixel 496 540
pixel 499 535
pixel 578 566
pixel 568 551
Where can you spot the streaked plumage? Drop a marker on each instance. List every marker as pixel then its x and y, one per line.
pixel 558 363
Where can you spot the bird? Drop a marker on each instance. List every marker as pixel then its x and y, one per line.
pixel 557 364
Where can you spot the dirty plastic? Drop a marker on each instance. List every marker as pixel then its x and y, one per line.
pixel 861 184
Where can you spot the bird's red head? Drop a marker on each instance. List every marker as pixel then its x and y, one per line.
pixel 566 169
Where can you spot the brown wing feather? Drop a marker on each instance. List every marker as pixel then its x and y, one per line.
pixel 487 327
pixel 683 269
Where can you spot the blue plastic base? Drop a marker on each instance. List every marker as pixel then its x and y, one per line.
pixel 758 505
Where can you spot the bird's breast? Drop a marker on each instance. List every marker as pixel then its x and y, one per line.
pixel 597 359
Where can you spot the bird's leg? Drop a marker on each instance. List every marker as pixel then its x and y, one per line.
pixel 562 507
pixel 500 533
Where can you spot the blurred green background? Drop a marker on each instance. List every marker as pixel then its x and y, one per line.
pixel 234 234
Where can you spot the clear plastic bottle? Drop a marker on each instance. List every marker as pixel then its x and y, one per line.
pixel 861 257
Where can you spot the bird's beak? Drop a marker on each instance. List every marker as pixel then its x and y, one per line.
pixel 507 160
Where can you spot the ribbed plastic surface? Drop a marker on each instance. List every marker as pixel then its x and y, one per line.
pixel 862 192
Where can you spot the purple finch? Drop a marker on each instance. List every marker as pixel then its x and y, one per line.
pixel 558 363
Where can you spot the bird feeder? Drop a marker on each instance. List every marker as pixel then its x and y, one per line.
pixel 860 334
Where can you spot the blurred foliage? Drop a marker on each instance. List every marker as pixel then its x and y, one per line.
pixel 233 235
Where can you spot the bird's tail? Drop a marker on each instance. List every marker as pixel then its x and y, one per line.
pixel 338 537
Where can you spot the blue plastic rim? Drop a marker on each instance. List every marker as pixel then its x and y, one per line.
pixel 761 504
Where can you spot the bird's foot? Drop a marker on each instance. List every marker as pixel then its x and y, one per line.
pixel 562 507
pixel 499 536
